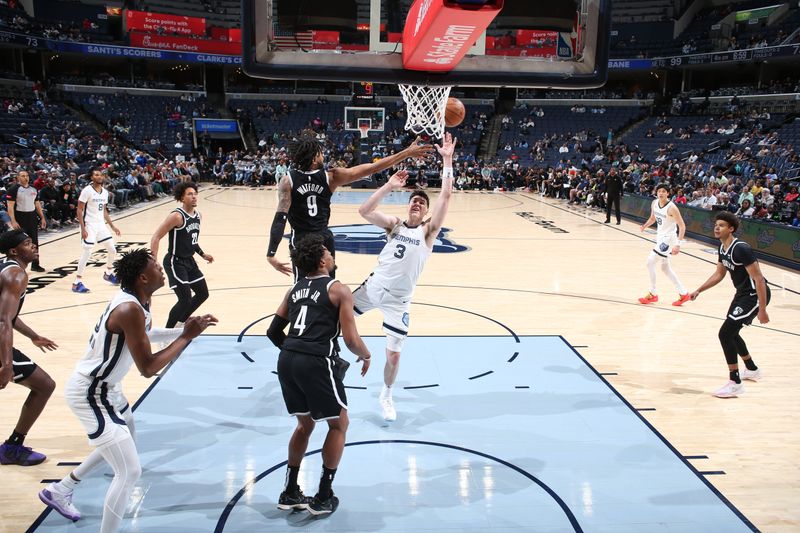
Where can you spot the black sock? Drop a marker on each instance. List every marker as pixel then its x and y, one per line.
pixel 325 482
pixel 291 478
pixel 749 364
pixel 16 439
pixel 735 376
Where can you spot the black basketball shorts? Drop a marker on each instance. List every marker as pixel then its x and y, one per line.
pixel 744 307
pixel 181 270
pixel 310 385
pixel 22 366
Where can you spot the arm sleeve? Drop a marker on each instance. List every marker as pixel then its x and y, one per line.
pixel 276 233
pixel 275 330
pixel 198 250
pixel 168 335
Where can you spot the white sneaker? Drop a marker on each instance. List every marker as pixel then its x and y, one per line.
pixel 730 390
pixel 387 409
pixel 752 375
pixel 62 503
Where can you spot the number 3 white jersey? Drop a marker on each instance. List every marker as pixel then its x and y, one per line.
pixel 107 357
pixel 94 210
pixel 401 261
pixel 666 226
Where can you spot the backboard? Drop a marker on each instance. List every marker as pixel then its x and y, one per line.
pixel 357 116
pixel 530 43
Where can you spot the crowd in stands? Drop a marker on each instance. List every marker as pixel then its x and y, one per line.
pixel 13 17
pixel 752 151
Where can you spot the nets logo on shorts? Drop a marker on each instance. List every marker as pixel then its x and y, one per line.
pixel 738 311
pixel 369 239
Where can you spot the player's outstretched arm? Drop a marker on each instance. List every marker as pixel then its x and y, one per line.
pixel 716 277
pixel 368 209
pixel 343 176
pixel 279 225
pixel 341 296
pixel 443 202
pixel 128 318
pixel 172 221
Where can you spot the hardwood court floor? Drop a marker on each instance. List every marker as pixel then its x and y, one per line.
pixel 534 265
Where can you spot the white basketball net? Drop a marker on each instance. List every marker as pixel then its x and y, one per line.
pixel 425 107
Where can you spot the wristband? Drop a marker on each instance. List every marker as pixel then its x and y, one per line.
pixel 681 242
pixel 447 172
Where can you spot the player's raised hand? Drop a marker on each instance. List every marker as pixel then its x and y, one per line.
pixel 283 268
pixel 419 149
pixel 398 179
pixel 448 145
pixel 195 325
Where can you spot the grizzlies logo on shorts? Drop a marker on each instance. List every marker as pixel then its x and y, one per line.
pixel 663 246
pixel 405 319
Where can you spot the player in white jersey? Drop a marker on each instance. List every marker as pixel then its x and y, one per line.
pixel 93 217
pixel 121 339
pixel 409 243
pixel 670 230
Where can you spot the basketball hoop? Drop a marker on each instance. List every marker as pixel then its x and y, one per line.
pixel 364 128
pixel 425 107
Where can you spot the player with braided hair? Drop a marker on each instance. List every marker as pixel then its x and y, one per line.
pixel 304 193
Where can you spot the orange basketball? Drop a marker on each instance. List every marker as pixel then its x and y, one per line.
pixel 454 112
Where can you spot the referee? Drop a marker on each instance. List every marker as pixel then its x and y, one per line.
pixel 23 208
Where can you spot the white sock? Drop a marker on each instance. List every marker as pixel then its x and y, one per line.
pixel 66 485
pixel 386 391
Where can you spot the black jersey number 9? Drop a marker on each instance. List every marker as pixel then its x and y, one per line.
pixel 311 202
pixel 401 251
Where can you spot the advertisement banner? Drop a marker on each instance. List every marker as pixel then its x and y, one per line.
pixel 146 21
pixel 216 125
pixel 184 44
pixel 777 243
pixel 127 51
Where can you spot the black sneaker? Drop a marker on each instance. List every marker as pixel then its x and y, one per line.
pixel 294 499
pixel 37 268
pixel 319 507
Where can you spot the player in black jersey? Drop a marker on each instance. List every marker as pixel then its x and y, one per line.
pixel 751 300
pixel 304 194
pixel 185 277
pixel 310 372
pixel 14 365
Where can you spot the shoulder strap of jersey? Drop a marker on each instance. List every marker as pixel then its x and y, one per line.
pixel 7 263
pixel 183 215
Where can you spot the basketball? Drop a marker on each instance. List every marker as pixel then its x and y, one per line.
pixel 454 112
